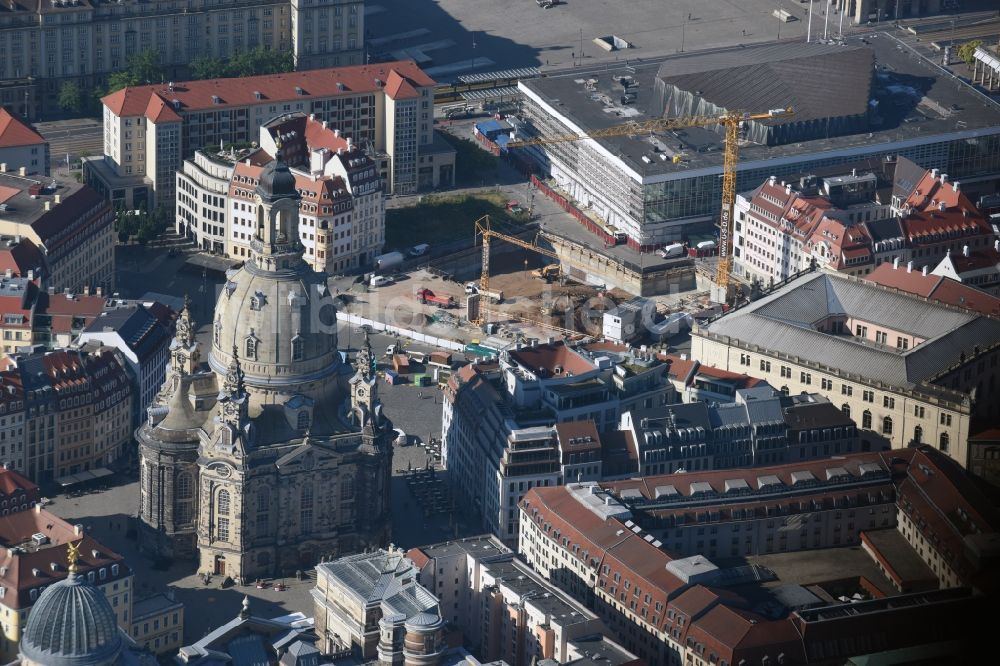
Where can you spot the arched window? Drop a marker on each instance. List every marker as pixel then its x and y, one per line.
pixel 251 348
pixel 218 332
pixel 347 489
pixel 846 409
pixel 918 435
pixel 307 495
pixel 223 506
pixel 263 500
pixel 306 513
pixel 302 421
pixel 184 487
pixel 886 426
pixel 298 348
pixel 866 420
pixel 945 439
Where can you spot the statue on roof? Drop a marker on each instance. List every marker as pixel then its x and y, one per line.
pixel 233 384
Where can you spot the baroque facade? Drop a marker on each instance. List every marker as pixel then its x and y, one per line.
pixel 256 462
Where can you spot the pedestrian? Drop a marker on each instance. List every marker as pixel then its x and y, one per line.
pixel 744 32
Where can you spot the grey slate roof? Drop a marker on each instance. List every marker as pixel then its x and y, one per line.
pixel 781 322
pixel 819 81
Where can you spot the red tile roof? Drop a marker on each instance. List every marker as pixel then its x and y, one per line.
pixel 11 482
pixel 935 287
pixel 63 310
pixel 404 75
pixel 15 132
pixel 543 359
pixel 20 257
pixel 687 370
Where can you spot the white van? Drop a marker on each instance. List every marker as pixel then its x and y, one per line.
pixel 419 250
pixel 380 280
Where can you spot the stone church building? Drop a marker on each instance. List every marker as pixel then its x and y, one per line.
pixel 271 453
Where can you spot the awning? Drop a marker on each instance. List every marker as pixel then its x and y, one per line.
pixel 83 477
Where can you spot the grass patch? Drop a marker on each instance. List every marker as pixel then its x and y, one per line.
pixel 446 218
pixel 473 164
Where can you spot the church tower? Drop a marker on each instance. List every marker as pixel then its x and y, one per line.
pixel 168 453
pixel 377 433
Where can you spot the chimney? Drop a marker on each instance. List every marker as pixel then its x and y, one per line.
pixel 350 144
pixel 78 529
pixel 996 245
pixel 3 167
pixel 895 263
pixel 924 271
pixel 965 250
pixel 336 132
pixel 99 291
pixel 854 172
pixel 934 173
pixel 48 205
pixel 58 198
pixel 956 186
pixel 86 290
pixel 909 266
pixel 788 189
pixel 944 179
pixel 312 116
pixel 941 206
pixel 9 273
pixel 22 172
pixel 31 274
pixel 38 508
pixel 773 180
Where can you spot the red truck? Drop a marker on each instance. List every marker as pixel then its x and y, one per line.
pixel 428 296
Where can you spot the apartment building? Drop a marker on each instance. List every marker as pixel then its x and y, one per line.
pixel 695 382
pixel 158 623
pixel 69 223
pixel 142 333
pixel 975 268
pixel 18 298
pixel 505 610
pixel 762 426
pixel 676 610
pixel 16 492
pixel 20 256
pixel 21 146
pixel 342 205
pixel 386 109
pixel 94 39
pixel 922 375
pixel 34 556
pixel 76 410
pixel 12 449
pixel 848 224
pixel 786 508
pixel 501 420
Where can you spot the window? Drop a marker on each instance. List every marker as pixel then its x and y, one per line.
pixel 868 396
pixel 307 509
pixel 826 384
pixel 902 343
pixel 946 419
pixel 888 402
pixel 846 409
pixel 786 371
pixel 943 442
pixel 223 504
pixel 302 420
pixel 881 337
pixel 846 390
pixel 806 377
pixel 745 359
pixel 862 331
pixel 886 426
pixel 866 420
pixel 765 366
pixel 918 435
pixel 222 531
pixel 918 411
pixel 251 349
pixel 298 348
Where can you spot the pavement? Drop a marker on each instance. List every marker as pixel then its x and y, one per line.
pixel 76 137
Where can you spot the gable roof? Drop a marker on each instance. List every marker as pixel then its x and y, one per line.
pixel 935 287
pixel 15 132
pixel 404 75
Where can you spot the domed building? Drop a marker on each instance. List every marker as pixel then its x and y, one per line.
pixel 272 452
pixel 73 624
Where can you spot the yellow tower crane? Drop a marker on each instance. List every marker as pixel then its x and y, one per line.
pixel 730 121
pixel 483 229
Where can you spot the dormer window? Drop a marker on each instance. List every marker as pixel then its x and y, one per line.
pixel 257 301
pixel 250 347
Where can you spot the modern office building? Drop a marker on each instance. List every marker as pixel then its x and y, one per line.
pixel 95 39
pixel 386 109
pixel 907 370
pixel 850 102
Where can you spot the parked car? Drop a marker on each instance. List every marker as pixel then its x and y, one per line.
pixel 380 280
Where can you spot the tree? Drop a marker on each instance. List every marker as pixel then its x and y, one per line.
pixel 70 97
pixel 207 67
pixel 142 68
pixel 967 50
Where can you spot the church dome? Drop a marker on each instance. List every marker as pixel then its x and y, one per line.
pixel 276 182
pixel 72 624
pixel 282 324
